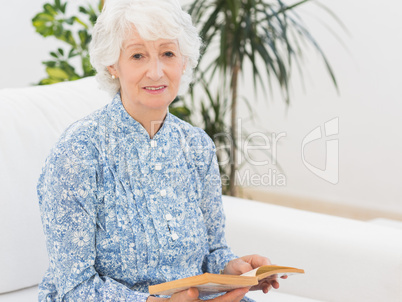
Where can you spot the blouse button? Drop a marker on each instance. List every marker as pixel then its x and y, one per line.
pixel 168 217
pixel 163 193
pixel 175 236
pixel 153 144
pixel 158 167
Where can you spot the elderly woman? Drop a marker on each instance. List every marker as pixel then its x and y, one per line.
pixel 130 196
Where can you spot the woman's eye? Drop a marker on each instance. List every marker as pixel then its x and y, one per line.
pixel 169 54
pixel 137 56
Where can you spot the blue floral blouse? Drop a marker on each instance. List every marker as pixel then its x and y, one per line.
pixel 121 211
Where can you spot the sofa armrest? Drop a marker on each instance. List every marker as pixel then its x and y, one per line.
pixel 345 260
pixel 31 120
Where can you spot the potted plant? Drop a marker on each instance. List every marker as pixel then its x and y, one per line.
pixel 266 34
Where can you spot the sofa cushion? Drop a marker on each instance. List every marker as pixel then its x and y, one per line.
pixel 344 260
pixel 31 120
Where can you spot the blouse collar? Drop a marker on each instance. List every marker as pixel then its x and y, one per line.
pixel 131 125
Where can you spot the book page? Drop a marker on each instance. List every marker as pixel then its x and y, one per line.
pixel 251 273
pixel 272 271
pixel 254 272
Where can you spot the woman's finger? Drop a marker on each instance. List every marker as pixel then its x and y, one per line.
pixel 185 296
pixel 233 296
pixel 275 284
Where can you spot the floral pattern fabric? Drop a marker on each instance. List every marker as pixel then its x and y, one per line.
pixel 121 211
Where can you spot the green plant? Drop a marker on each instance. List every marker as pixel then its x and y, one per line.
pixel 75 31
pixel 266 34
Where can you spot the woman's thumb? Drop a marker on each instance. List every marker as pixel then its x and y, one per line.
pixel 244 267
pixel 193 293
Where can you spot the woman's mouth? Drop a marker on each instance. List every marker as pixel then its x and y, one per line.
pixel 155 88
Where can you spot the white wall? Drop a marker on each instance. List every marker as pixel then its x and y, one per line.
pixel 369 107
pixel 22 50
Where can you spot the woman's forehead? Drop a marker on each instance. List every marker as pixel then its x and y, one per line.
pixel 135 40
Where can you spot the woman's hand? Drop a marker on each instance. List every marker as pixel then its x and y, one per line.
pixel 247 263
pixel 192 295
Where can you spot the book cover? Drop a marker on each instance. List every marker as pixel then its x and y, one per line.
pixel 216 283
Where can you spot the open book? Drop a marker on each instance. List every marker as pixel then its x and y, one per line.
pixel 216 283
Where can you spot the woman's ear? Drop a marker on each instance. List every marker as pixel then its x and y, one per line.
pixel 112 70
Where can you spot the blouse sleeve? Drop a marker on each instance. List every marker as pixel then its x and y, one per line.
pixel 219 252
pixel 67 191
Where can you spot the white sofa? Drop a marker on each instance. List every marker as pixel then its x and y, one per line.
pixel 344 260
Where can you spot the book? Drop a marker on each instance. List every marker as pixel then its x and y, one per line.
pixel 208 283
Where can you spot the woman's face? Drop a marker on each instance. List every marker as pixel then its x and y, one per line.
pixel 149 73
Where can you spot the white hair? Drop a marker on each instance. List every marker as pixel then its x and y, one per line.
pixel 153 20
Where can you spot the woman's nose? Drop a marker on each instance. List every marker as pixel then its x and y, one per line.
pixel 155 70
